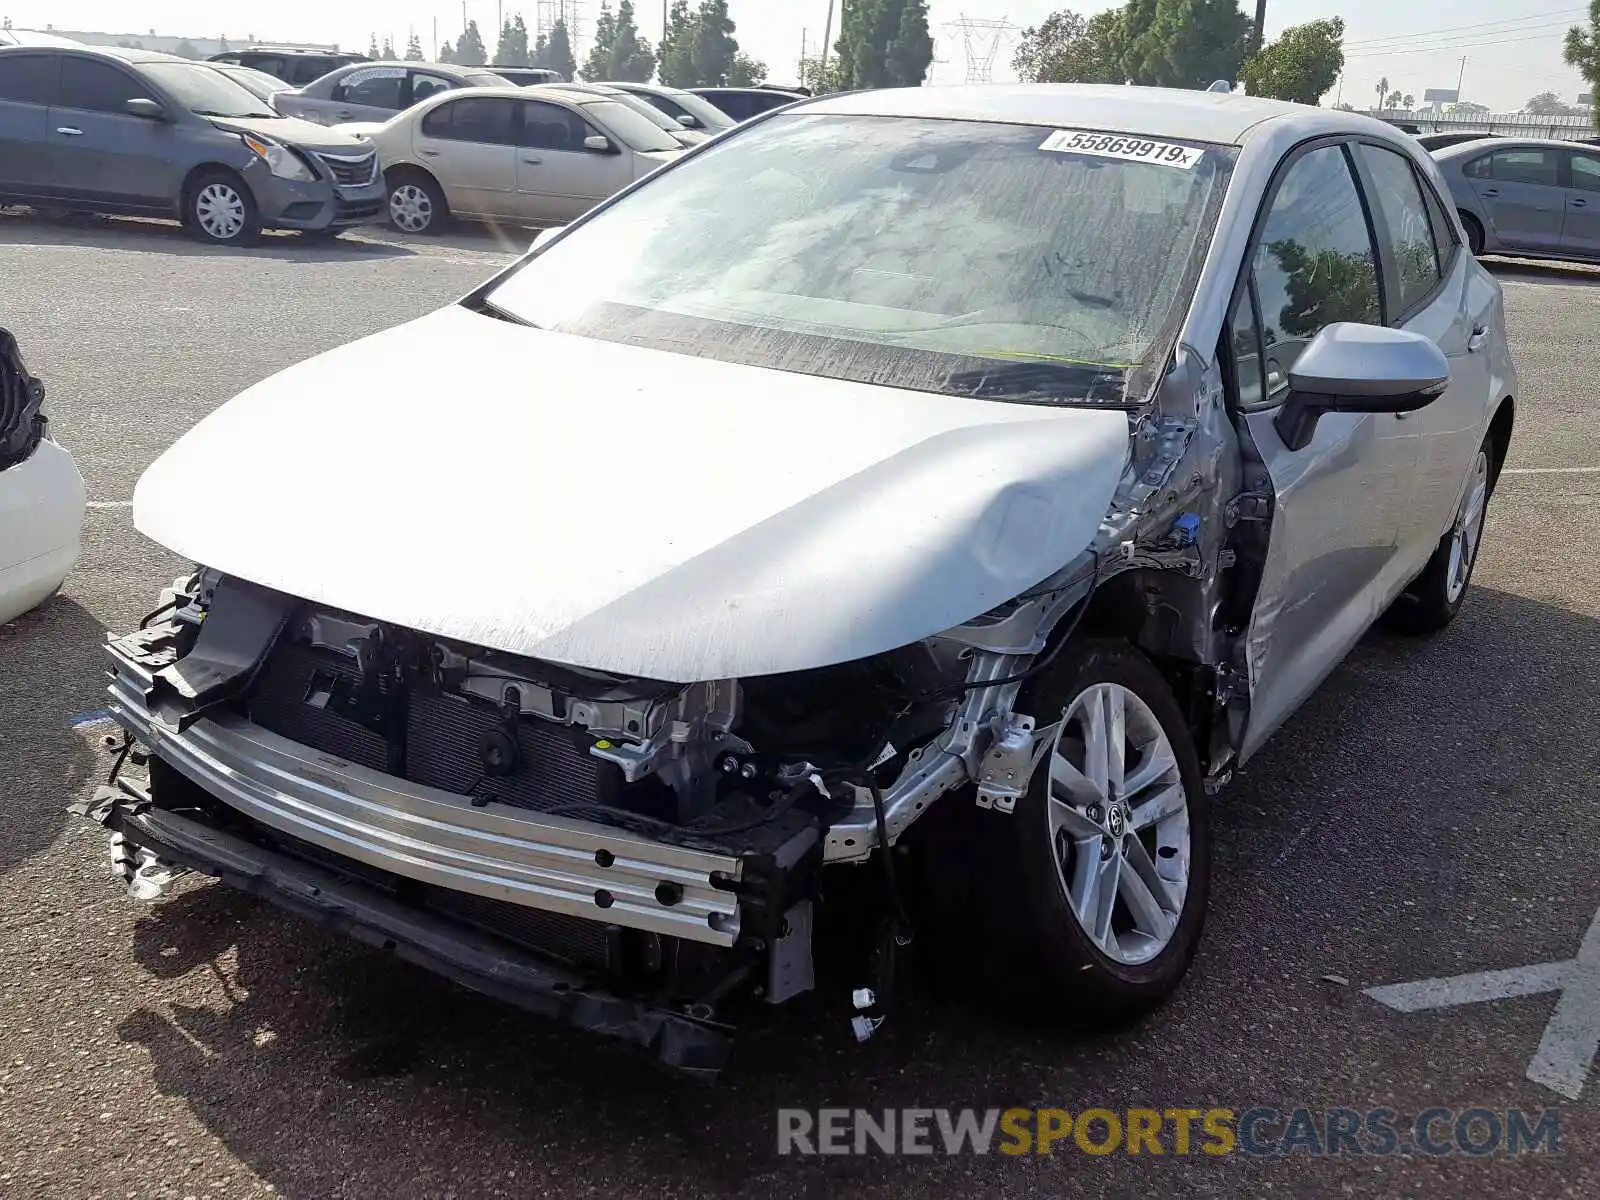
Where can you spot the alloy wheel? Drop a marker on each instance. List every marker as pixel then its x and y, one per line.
pixel 1467 532
pixel 219 211
pixel 1118 822
pixel 411 208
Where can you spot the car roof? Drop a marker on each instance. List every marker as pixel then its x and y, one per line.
pixel 1217 117
pixel 454 69
pixel 509 92
pixel 1480 145
pixel 122 53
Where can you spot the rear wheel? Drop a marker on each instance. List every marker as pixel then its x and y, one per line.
pixel 416 203
pixel 1092 893
pixel 1433 601
pixel 219 209
pixel 1474 230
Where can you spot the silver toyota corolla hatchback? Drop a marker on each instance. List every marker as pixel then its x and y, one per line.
pixel 983 472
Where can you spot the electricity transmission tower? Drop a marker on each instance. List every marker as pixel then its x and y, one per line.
pixel 982 39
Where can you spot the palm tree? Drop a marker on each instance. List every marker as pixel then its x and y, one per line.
pixel 1383 90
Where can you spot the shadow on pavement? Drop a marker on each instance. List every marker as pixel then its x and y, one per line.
pixel 1534 270
pixel 168 237
pixel 44 764
pixel 329 1069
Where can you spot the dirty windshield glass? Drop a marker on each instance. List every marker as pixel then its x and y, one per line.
pixel 1004 261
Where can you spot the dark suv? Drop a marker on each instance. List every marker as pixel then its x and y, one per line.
pixel 294 65
pixel 133 131
pixel 743 103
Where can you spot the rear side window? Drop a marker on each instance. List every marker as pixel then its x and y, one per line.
pixel 1315 264
pixel 424 85
pixel 489 121
pixel 1537 166
pixel 738 106
pixel 1586 172
pixel 375 87
pixel 1444 230
pixel 1398 197
pixel 97 86
pixel 29 78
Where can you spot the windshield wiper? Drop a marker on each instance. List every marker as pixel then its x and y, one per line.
pixel 248 116
pixel 1043 382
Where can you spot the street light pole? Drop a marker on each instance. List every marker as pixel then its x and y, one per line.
pixel 1261 24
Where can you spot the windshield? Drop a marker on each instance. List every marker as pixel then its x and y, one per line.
pixel 687 104
pixel 1004 261
pixel 258 83
pixel 630 127
pixel 205 91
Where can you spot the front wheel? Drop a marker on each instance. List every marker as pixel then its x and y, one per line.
pixel 417 204
pixel 220 209
pixel 1092 893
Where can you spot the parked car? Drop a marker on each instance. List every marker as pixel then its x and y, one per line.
pixel 675 129
pixel 258 83
pixel 502 155
pixel 689 110
pixel 1536 198
pixel 1438 141
pixel 800 502
pixel 295 65
pixel 527 76
pixel 41 493
pixel 133 131
pixel 375 91
pixel 743 103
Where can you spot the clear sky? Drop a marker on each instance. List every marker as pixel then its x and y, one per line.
pixel 1512 47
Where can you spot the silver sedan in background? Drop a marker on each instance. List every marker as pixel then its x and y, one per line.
pixel 375 91
pixel 1532 197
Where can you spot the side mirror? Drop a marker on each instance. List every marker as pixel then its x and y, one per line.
pixel 143 107
pixel 689 121
pixel 600 145
pixel 1359 368
pixel 545 235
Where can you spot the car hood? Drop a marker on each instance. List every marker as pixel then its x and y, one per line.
pixel 293 131
pixel 625 509
pixel 356 129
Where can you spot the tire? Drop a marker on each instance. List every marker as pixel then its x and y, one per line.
pixel 1474 230
pixel 1437 595
pixel 1022 934
pixel 416 203
pixel 219 209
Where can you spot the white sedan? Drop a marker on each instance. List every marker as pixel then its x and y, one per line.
pixel 508 155
pixel 41 493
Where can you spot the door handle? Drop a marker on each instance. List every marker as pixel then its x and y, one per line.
pixel 69 131
pixel 429 153
pixel 1579 202
pixel 1478 340
pixel 532 162
pixel 1491 191
pixel 343 116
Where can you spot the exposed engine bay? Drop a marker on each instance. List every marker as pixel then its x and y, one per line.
pixel 738 792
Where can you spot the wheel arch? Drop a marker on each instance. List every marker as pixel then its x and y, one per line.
pixel 198 172
pixel 1500 435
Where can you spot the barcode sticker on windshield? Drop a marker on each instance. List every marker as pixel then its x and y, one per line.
pixel 1117 145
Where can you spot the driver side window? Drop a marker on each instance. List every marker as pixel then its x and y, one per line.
pixel 1315 265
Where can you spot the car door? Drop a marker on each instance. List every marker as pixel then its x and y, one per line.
pixel 1580 227
pixel 470 145
pixel 1337 503
pixel 1432 289
pixel 365 94
pixel 99 152
pixel 558 177
pixel 1521 192
pixel 27 89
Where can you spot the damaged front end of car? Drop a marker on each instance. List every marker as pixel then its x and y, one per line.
pixel 644 859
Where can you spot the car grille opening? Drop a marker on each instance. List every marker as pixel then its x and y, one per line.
pixel 449 742
pixel 348 171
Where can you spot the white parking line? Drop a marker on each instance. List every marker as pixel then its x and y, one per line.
pixel 1550 471
pixel 1572 1035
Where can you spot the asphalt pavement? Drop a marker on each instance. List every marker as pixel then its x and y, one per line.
pixel 1433 811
